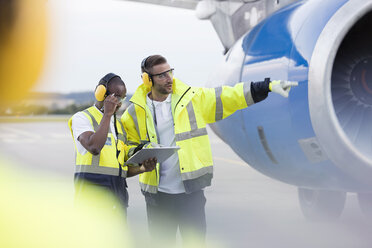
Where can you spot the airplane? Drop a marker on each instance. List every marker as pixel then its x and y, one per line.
pixel 320 137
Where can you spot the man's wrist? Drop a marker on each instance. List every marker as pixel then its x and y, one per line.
pixel 107 115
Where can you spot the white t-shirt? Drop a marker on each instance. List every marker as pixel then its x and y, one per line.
pixel 81 124
pixel 170 175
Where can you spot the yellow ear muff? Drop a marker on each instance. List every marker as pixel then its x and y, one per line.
pixel 146 79
pixel 100 93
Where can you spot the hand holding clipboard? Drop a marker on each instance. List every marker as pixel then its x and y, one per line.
pixel 160 153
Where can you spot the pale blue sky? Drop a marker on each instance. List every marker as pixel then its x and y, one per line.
pixel 89 38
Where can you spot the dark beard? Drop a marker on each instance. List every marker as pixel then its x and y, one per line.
pixel 162 90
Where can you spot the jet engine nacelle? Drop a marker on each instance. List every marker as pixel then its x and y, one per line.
pixel 321 136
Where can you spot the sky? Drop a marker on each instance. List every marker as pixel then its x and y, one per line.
pixel 89 38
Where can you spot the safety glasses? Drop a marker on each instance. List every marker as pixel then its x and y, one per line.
pixel 163 75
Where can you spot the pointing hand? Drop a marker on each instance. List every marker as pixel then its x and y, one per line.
pixel 282 87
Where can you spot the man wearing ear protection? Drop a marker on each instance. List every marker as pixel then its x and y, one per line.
pixel 171 113
pixel 100 143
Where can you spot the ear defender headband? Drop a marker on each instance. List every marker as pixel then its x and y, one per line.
pixel 101 90
pixel 146 77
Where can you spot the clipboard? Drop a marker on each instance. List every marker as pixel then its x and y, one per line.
pixel 160 153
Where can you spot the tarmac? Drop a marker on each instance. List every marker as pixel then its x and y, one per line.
pixel 244 208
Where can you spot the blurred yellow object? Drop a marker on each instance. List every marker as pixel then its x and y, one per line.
pixel 39 212
pixel 35 210
pixel 22 48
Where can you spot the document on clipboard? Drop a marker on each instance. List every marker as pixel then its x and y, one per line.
pixel 160 153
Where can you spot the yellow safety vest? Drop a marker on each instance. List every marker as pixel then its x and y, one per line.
pixel 192 109
pixel 106 162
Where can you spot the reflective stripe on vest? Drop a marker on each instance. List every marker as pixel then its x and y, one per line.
pixel 219 106
pixel 198 173
pixel 195 131
pixel 94 166
pixel 132 112
pixel 95 124
pixel 99 170
pixel 248 94
pixel 131 143
pixel 201 182
pixel 148 188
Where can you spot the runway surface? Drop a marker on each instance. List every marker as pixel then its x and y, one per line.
pixel 244 208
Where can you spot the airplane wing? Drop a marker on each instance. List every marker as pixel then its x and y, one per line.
pixel 183 4
pixel 231 19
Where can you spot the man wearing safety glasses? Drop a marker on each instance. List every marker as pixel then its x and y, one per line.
pixel 168 112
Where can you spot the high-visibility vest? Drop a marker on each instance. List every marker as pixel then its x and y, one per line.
pixel 192 109
pixel 107 161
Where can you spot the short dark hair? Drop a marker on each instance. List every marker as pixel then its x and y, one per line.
pixel 151 61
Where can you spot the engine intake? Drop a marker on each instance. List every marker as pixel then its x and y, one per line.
pixel 340 89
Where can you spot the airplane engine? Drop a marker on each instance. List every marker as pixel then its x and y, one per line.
pixel 340 90
pixel 320 138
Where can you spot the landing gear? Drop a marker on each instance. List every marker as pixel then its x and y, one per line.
pixel 365 203
pixel 321 204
